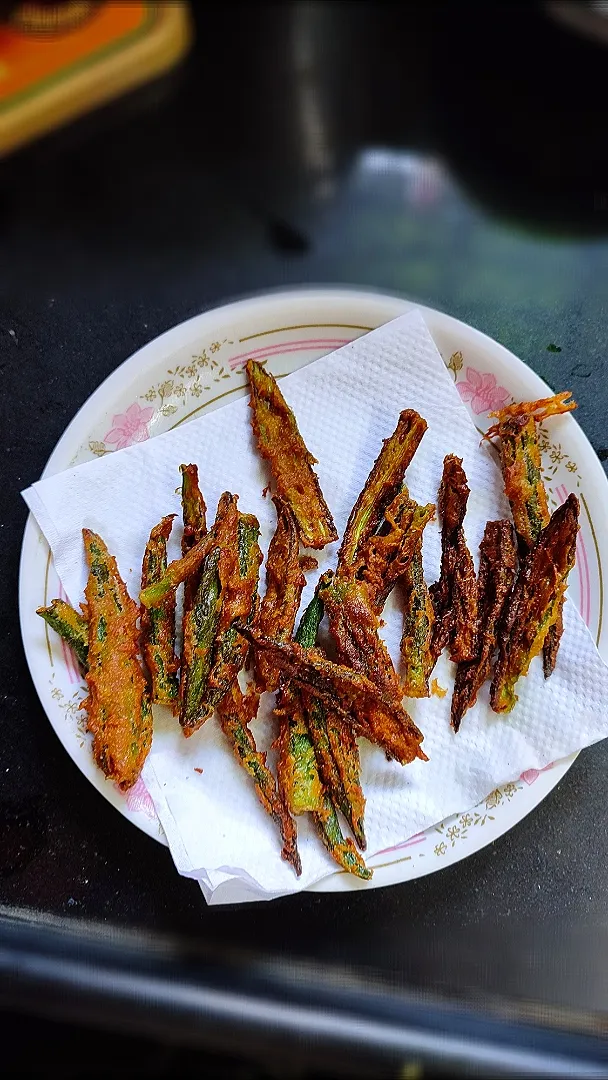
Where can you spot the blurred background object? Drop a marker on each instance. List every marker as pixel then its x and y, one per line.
pixel 589 18
pixel 59 60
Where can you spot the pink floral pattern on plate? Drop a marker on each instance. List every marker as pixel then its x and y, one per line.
pixel 481 392
pixel 130 427
pixel 531 775
pixel 138 798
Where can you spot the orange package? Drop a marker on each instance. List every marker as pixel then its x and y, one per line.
pixel 58 61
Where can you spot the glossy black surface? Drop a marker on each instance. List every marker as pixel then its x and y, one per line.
pixel 312 143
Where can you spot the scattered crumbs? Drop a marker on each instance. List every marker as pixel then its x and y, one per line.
pixel 196 769
pixel 553 348
pixel 13 335
pixel 265 491
pixel 437 690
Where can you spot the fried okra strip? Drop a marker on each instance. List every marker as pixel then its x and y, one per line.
pixel 118 707
pixel 535 602
pixel 385 556
pixel 201 621
pixel 296 763
pixel 463 643
pixel 353 606
pixel 299 779
pixel 348 693
pixel 194 510
pixel 552 643
pixel 158 623
pixel 238 569
pixel 497 570
pixel 279 441
pixel 334 741
pixel 454 595
pixel 339 847
pixel 359 643
pixel 200 628
pixel 234 716
pixel 354 627
pixel 178 571
pixel 382 485
pixel 297 770
pixel 194 516
pixel 521 464
pixel 521 469
pixel 540 409
pixel 337 756
pixel 285 581
pixel 70 625
pixel 416 653
pixel 330 739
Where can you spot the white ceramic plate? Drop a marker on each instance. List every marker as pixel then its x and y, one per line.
pixel 197 367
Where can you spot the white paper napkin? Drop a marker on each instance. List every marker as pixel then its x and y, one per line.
pixel 346 404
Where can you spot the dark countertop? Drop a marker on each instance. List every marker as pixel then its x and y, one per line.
pixel 309 144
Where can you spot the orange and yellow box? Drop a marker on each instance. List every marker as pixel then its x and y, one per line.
pixel 59 61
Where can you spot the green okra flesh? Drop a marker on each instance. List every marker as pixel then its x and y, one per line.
pixel 70 625
pixel 158 623
pixel 200 628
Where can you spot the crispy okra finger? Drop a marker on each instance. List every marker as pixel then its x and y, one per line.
pixel 454 595
pixel 178 571
pixel 386 555
pixel 298 764
pixel 234 718
pixel 118 706
pixel 158 623
pixel 382 485
pixel 535 602
pixel 353 696
pixel 285 581
pixel 369 563
pixel 280 442
pixel 416 639
pixel 238 570
pixel 521 464
pixel 334 742
pixel 497 570
pixel 70 625
pixel 200 629
pixel 194 517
